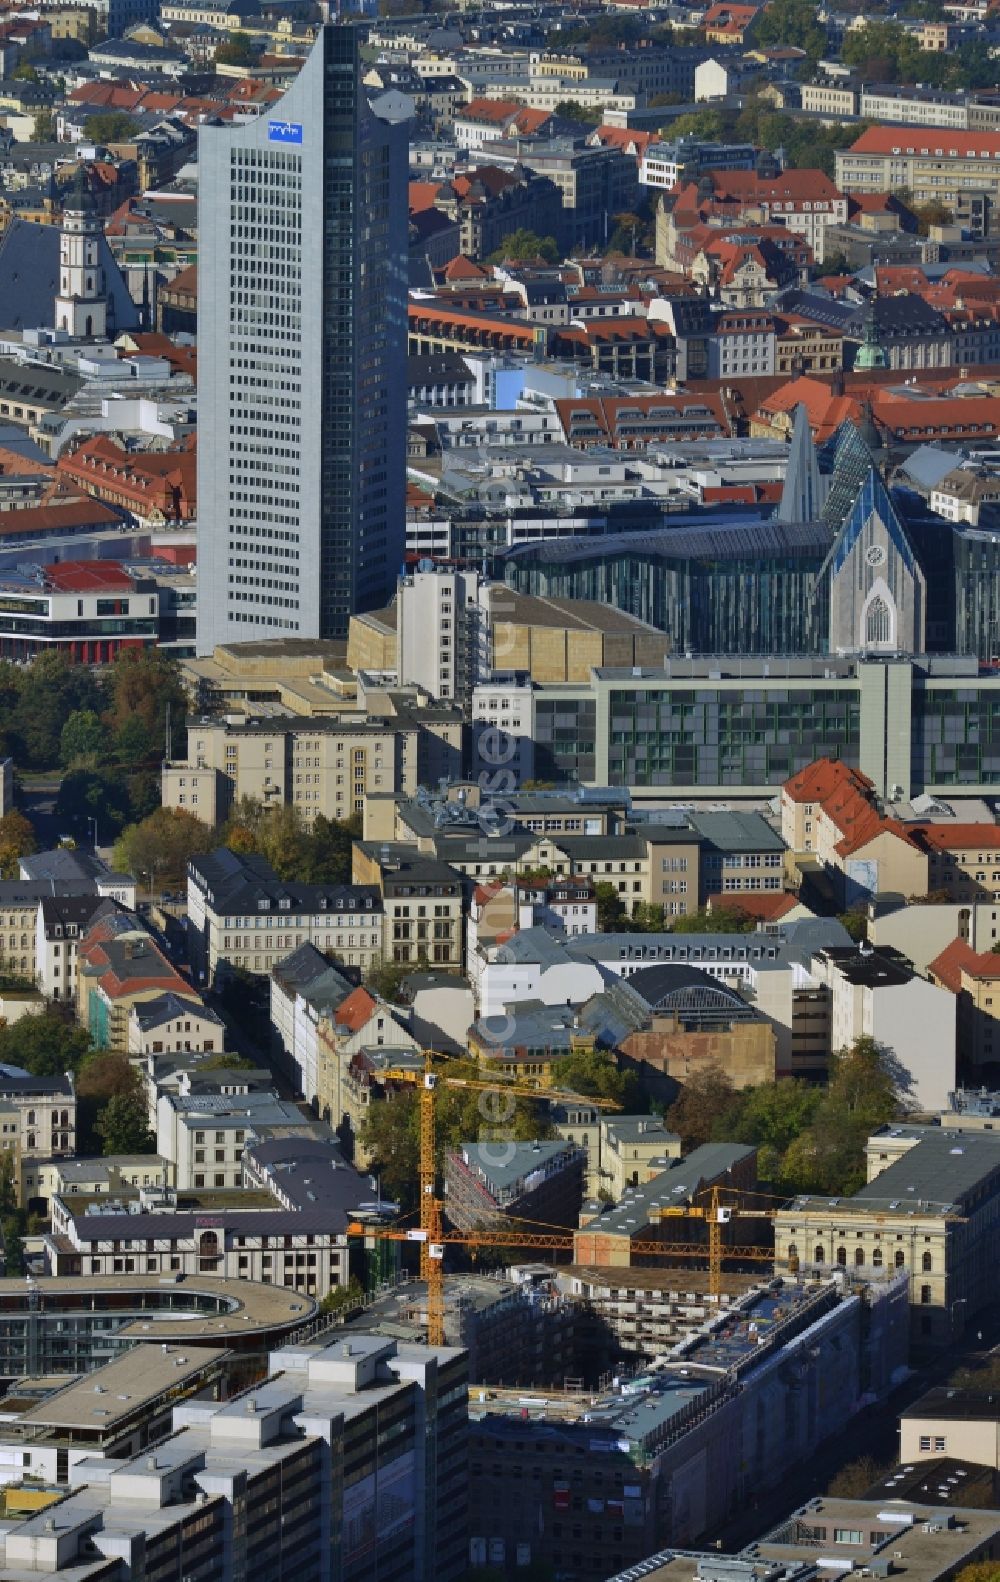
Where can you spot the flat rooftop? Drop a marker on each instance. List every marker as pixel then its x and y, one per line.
pixel 100 1400
pixel 166 1307
pixel 971 1406
pixel 898 1528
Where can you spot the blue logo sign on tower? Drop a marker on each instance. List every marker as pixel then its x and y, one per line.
pixel 284 132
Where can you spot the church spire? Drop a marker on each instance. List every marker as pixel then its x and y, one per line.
pixel 804 489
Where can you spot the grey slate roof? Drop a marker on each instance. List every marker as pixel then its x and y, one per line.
pixel 737 831
pixel 29 279
pixel 243 884
pixel 62 863
pixel 167 1007
pixel 307 972
pixel 682 1180
pixel 501 1168
pixel 936 1176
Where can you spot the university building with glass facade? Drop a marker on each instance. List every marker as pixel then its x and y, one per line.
pixel 715 726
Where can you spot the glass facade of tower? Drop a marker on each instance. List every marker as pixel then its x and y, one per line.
pixel 302 302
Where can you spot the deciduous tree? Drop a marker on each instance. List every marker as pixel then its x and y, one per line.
pixel 17 840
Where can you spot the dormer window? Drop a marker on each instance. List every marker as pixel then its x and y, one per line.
pixel 284 903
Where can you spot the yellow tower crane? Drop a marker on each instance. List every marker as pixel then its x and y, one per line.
pixel 431 1235
pixel 721 1205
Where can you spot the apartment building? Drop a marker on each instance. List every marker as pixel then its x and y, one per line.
pixel 486 1183
pixel 104 1177
pixel 60 923
pixel 19 903
pixel 320 765
pixel 621 1150
pixel 934 164
pixel 241 915
pixel 120 967
pixel 933 1213
pixel 836 99
pixel 897 106
pixel 204 1136
pixel 422 901
pixel 37 1122
pixel 973 979
pixel 442 632
pixel 304 988
pixel 877 993
pixel 171 1025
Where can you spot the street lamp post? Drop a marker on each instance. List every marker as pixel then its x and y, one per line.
pixel 960 1301
pixel 93 823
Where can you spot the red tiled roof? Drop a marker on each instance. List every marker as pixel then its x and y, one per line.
pixel 462 268
pixel 493 112
pixel 848 800
pixel 928 140
pixel 422 195
pixel 792 186
pixel 959 837
pixel 823 777
pixel 958 958
pixel 825 410
pixel 766 907
pixel 528 120
pixel 623 137
pixel 355 1011
pixel 56 518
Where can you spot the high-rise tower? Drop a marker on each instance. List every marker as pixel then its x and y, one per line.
pixel 301 358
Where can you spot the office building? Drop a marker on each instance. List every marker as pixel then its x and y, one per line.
pixel 286 1225
pixel 926 161
pixel 345 1464
pixel 72 1324
pixel 891 1534
pixel 589 1486
pixel 722 725
pixel 301 283
pixel 116 1411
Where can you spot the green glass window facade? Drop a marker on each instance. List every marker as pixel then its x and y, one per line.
pixel 728 736
pixel 955 736
pixel 565 740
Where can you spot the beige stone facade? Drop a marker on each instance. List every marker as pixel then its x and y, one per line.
pixel 317 766
pixel 934 1213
